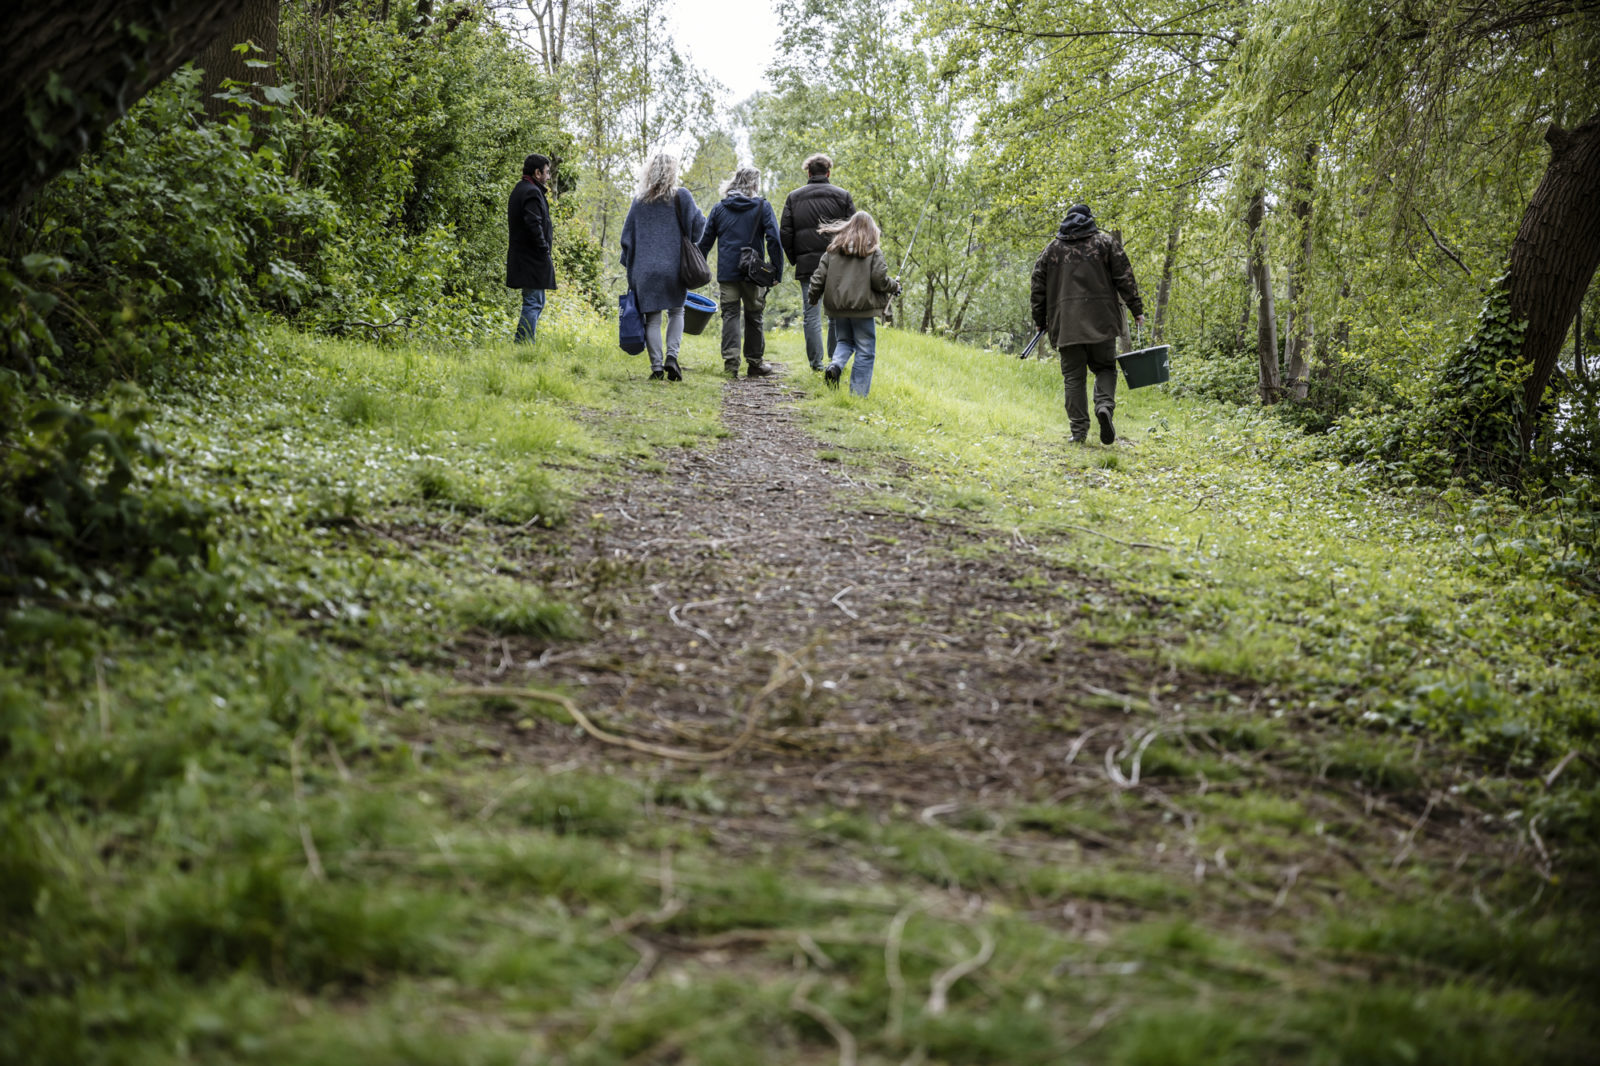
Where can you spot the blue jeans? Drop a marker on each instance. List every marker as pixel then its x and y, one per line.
pixel 859 335
pixel 811 320
pixel 528 324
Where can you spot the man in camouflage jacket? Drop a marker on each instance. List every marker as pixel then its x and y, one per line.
pixel 1076 283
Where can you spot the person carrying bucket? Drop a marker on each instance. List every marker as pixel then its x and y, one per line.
pixel 661 217
pixel 1076 283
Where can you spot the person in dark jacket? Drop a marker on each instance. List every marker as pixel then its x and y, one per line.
pixel 1076 283
pixel 743 220
pixel 853 285
pixel 652 246
pixel 805 212
pixel 529 265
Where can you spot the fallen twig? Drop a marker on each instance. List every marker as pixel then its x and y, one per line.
pixel 1124 543
pixel 891 972
pixel 938 996
pixel 841 1035
pixel 779 676
pixel 307 843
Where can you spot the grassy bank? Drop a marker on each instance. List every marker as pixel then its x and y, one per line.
pixel 1413 611
pixel 244 819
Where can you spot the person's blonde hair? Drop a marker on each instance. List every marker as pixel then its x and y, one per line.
pixel 658 179
pixel 858 235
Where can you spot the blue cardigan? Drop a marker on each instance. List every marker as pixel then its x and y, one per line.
pixel 651 245
pixel 738 222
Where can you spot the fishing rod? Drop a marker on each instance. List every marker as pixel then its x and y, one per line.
pixel 933 187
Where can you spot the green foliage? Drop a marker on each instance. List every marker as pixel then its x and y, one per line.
pixel 75 502
pixel 166 238
pixel 1469 424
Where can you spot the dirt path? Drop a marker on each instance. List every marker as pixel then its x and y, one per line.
pixel 894 663
pixel 761 618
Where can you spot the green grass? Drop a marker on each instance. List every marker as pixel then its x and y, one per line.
pixel 1267 562
pixel 240 821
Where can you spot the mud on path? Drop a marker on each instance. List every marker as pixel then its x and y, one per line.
pixel 805 650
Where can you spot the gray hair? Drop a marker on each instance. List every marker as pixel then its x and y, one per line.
pixel 658 179
pixel 745 180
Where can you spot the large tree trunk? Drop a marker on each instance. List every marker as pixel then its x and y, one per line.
pixel 97 58
pixel 1554 257
pixel 255 23
pixel 1299 324
pixel 1266 313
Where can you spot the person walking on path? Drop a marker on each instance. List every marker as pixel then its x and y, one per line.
pixel 743 220
pixel 805 212
pixel 852 284
pixel 1076 282
pixel 652 244
pixel 530 238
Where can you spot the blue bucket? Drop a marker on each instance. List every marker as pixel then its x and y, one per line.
pixel 697 311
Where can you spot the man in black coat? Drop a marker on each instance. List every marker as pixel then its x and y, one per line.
pixel 529 266
pixel 804 212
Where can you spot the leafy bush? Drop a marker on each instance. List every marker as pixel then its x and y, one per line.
pixel 166 238
pixel 71 498
pixel 1216 367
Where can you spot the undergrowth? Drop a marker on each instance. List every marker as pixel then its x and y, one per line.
pixel 243 820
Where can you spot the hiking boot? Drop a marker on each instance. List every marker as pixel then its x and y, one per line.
pixel 673 373
pixel 1108 432
pixel 730 372
pixel 758 370
pixel 656 375
pixel 831 376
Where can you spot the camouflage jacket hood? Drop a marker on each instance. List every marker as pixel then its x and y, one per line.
pixel 1077 283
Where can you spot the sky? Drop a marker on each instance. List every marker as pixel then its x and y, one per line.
pixel 731 40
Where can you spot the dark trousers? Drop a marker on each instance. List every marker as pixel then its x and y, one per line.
pixel 743 304
pixel 1101 358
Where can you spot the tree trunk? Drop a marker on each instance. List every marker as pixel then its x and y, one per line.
pixel 1164 291
pixel 1266 314
pixel 1299 324
pixel 97 58
pixel 255 23
pixel 927 307
pixel 1554 257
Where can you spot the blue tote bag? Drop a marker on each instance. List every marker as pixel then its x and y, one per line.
pixel 630 324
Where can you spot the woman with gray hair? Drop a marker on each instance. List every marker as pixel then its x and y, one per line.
pixel 742 221
pixel 662 214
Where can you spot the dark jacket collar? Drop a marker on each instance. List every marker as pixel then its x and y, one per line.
pixel 820 179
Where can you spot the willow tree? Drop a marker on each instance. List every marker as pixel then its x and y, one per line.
pixel 1110 102
pixel 1416 86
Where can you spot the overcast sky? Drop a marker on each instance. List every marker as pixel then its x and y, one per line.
pixel 731 40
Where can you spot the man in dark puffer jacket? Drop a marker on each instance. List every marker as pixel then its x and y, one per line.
pixel 816 202
pixel 1076 282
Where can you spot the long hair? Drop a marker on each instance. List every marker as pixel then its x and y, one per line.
pixel 658 179
pixel 858 235
pixel 746 181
